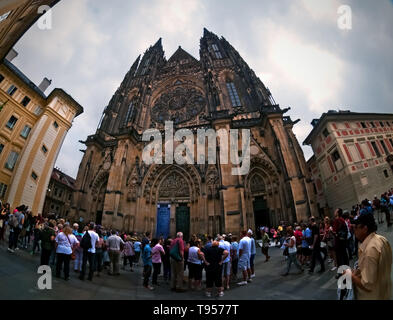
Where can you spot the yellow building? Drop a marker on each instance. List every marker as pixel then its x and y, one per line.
pixel 32 130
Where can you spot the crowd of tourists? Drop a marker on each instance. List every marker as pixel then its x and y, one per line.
pixel 224 259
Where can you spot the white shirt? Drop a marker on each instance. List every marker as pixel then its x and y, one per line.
pixel 293 249
pixel 252 246
pixel 63 245
pixel 226 246
pixel 114 242
pixel 244 245
pixel 94 238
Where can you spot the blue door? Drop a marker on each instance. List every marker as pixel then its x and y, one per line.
pixel 163 220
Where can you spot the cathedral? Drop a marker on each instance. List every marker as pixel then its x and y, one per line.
pixel 117 189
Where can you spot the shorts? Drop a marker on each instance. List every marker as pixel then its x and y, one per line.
pixel 214 277
pixel 306 251
pixel 252 260
pixel 195 271
pixel 226 269
pixel 243 264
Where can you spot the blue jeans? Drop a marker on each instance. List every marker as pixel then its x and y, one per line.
pixel 292 259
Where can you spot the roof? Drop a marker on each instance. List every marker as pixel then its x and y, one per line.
pixel 341 115
pixel 180 54
pixel 62 178
pixel 24 78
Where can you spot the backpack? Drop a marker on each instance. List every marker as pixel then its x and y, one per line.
pixel 13 221
pixel 86 241
pixel 343 232
pixel 174 252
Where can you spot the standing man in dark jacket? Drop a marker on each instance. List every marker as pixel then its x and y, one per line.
pixel 316 247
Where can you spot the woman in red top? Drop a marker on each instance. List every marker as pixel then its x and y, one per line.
pixel 299 238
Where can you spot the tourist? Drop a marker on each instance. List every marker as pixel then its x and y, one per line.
pixel 253 252
pixel 88 243
pixel 265 244
pixel 15 222
pixel 316 247
pixel 99 255
pixel 226 266
pixel 47 237
pixel 328 238
pixel 177 263
pixel 195 259
pixel 234 256
pixel 166 260
pixel 306 251
pixel 128 253
pixel 376 205
pixel 340 231
pixel 4 215
pixel 79 250
pixel 385 208
pixel 36 234
pixel 66 242
pixel 244 258
pixel 157 252
pixel 137 249
pixel 372 278
pixel 147 263
pixel 290 243
pixel 299 238
pixel 114 243
pixel 214 256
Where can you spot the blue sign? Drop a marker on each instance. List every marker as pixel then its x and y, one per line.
pixel 163 220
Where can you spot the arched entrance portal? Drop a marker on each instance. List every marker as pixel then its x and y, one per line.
pixel 175 192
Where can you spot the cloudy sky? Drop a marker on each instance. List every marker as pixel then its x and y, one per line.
pixel 294 46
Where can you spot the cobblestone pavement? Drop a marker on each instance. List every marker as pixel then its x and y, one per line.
pixel 18 280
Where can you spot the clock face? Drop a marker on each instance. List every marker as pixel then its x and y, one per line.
pixel 178 105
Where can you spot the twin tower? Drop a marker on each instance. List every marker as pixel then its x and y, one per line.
pixel 117 189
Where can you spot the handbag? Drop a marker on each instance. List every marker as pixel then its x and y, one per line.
pixel 73 256
pixel 174 252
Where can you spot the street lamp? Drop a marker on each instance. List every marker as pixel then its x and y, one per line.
pixel 389 160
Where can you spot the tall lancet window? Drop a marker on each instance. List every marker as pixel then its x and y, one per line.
pixel 233 94
pixel 216 51
pixel 129 114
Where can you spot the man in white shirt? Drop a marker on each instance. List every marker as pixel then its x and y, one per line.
pixel 114 242
pixel 244 258
pixel 253 252
pixel 89 253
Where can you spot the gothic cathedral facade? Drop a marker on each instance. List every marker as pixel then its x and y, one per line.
pixel 115 188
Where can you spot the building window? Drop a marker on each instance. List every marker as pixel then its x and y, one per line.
pixel 55 124
pixel 69 197
pixel 1 147
pixel 391 142
pixel 11 161
pixel 376 150
pixel 11 90
pixel 325 133
pixel 381 123
pixel 1 78
pixel 337 160
pixel 129 114
pixel 11 123
pixel 44 149
pixel 216 51
pixel 233 94
pixel 60 193
pixel 384 147
pixel 34 175
pixel 3 190
pixel 5 16
pixel 372 124
pixel 25 101
pixel 38 110
pixel 386 174
pixel 25 132
pixel 363 125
